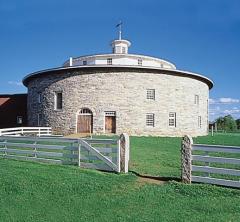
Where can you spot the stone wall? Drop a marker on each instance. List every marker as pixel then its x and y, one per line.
pixel 125 93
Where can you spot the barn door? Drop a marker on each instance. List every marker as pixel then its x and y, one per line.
pixel 85 123
pixel 110 122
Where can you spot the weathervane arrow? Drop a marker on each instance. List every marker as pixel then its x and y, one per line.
pixel 119 25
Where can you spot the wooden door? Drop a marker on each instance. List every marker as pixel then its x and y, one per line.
pixel 84 124
pixel 110 124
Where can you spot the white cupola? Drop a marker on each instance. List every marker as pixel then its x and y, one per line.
pixel 120 46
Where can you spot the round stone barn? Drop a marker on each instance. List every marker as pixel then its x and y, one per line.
pixel 119 92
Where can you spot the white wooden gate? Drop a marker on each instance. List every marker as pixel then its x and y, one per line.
pixel 101 154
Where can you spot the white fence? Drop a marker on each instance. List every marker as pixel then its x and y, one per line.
pixel 102 154
pixel 20 131
pixel 214 164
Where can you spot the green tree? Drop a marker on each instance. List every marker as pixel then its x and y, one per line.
pixel 227 123
pixel 238 123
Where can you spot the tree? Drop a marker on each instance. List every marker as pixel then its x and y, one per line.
pixel 227 123
pixel 238 123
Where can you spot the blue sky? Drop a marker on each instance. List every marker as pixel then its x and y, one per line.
pixel 198 36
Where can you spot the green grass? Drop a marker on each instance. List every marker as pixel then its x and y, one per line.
pixel 41 192
pixel 37 192
pixel 231 139
pixel 157 156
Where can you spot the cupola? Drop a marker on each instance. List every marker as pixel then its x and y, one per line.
pixel 120 46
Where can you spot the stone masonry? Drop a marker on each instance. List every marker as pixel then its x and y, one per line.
pixel 123 91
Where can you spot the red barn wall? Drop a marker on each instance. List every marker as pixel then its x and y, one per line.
pixel 12 106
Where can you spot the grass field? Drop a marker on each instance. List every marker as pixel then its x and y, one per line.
pixel 41 192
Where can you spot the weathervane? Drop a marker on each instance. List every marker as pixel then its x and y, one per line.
pixel 119 26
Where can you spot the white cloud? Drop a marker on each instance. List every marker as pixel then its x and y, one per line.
pixel 231 111
pixel 228 100
pixel 224 100
pixel 16 83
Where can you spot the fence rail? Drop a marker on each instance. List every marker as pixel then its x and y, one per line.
pixel 102 154
pixel 20 131
pixel 213 169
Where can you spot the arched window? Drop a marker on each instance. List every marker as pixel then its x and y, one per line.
pixel 85 111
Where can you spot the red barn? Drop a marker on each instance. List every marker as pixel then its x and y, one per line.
pixel 13 110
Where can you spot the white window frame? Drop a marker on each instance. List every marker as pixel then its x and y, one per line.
pixel 109 61
pixel 150 119
pixel 56 100
pixel 20 118
pixel 172 121
pixel 196 99
pixel 151 94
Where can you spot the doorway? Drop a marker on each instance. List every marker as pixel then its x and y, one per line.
pixel 110 122
pixel 85 121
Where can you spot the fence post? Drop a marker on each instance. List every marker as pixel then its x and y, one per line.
pixel 79 153
pixel 186 152
pixel 118 156
pixel 124 152
pixel 35 147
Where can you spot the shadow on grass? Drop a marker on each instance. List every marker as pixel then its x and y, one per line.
pixel 165 179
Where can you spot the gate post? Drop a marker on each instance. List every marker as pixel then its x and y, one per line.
pixel 186 155
pixel 79 153
pixel 124 152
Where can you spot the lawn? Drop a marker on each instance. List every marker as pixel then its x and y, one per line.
pixel 41 192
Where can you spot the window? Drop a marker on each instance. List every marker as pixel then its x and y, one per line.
pixel 85 111
pixel 172 119
pixel 140 62
pixel 150 119
pixel 199 122
pixel 84 62
pixel 58 100
pixel 123 50
pixel 110 113
pixel 196 99
pixel 39 97
pixel 151 94
pixel 19 119
pixel 109 61
pixel 39 117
